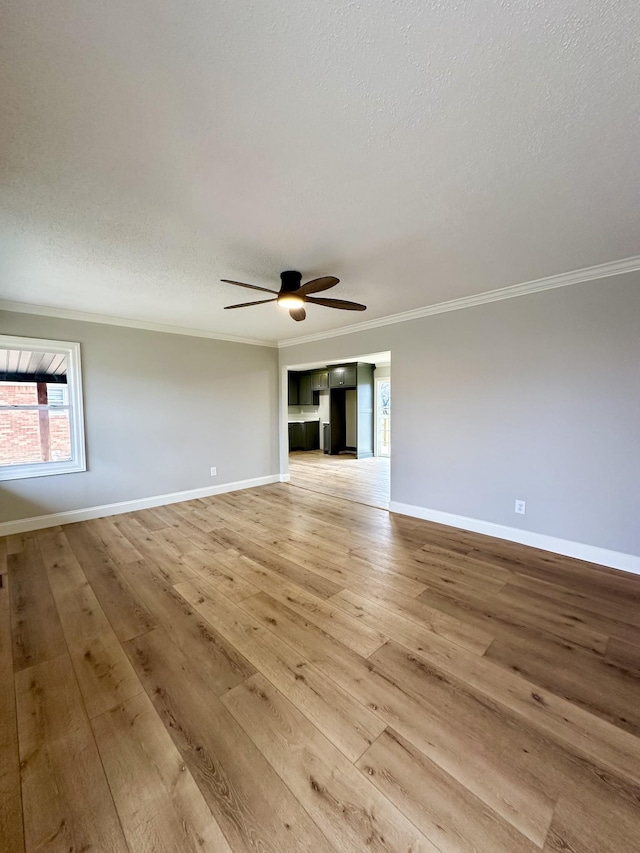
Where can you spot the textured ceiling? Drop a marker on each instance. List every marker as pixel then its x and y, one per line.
pixel 420 151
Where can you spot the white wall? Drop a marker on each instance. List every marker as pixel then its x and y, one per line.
pixel 160 410
pixel 536 398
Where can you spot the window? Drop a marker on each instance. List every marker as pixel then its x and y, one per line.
pixel 41 422
pixel 383 416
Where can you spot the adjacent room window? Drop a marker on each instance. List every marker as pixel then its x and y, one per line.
pixel 383 416
pixel 41 421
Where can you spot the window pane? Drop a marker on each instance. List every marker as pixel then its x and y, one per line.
pixel 34 436
pixel 60 434
pixel 57 394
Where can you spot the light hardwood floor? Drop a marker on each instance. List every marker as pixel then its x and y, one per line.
pixel 365 481
pixel 278 670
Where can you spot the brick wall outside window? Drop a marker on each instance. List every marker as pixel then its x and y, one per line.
pixel 20 429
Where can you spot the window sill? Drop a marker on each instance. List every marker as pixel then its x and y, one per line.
pixel 40 469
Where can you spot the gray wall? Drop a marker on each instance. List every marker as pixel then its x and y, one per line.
pixel 160 410
pixel 536 398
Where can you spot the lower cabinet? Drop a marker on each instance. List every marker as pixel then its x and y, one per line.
pixel 296 437
pixel 304 436
pixel 312 435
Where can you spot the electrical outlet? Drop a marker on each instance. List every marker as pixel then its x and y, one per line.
pixel 521 507
pixel 214 471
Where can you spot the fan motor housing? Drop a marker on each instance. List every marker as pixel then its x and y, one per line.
pixel 291 280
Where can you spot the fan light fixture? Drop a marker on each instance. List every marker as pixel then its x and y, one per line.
pixel 288 300
pixel 293 295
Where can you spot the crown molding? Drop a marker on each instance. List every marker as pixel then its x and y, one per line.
pixel 105 319
pixel 553 281
pixel 565 279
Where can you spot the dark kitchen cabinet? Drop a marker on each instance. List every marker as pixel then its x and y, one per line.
pixel 343 376
pixel 300 390
pixel 293 390
pixel 338 422
pixel 304 436
pixel 319 380
pixel 306 395
pixel 296 436
pixel 311 435
pixel 351 411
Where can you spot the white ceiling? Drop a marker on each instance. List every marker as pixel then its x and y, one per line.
pixel 420 151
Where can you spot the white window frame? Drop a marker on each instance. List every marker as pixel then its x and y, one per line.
pixel 76 411
pixel 376 420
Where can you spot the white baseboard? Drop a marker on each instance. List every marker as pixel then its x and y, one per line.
pixel 578 550
pixel 39 522
pixel 589 553
pixel 285 478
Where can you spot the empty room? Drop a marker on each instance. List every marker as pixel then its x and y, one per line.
pixel 238 612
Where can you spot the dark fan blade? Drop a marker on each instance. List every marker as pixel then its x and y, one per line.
pixel 336 303
pixel 318 284
pixel 297 313
pixel 245 304
pixel 251 286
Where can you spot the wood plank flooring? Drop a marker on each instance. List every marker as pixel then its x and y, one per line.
pixel 283 670
pixel 365 481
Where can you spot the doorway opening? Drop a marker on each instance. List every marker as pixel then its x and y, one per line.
pixel 338 422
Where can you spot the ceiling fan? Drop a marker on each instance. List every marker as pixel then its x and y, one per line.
pixel 293 295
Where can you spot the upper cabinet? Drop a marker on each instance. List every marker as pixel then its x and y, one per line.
pixel 306 395
pixel 293 392
pixel 343 376
pixel 319 380
pixel 301 391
